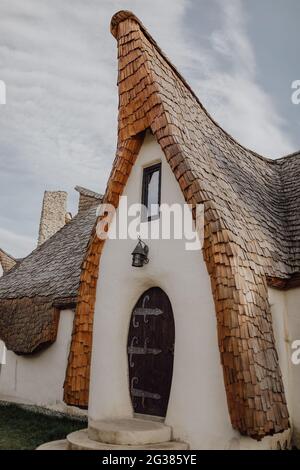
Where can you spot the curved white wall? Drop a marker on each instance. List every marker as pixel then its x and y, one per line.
pixel 39 379
pixel 285 307
pixel 197 408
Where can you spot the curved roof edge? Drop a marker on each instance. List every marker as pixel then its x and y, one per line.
pixel 289 155
pixel 123 15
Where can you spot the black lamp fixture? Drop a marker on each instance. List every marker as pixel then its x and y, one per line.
pixel 140 254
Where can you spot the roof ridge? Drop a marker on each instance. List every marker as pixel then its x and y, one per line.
pixel 289 155
pixel 88 192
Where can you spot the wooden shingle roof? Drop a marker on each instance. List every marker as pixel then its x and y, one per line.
pixel 45 279
pixel 52 269
pixel 248 236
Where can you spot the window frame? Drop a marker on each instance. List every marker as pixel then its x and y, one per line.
pixel 148 170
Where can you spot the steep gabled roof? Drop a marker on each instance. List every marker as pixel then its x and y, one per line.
pixel 256 189
pixel 47 278
pixel 246 236
pixel 52 269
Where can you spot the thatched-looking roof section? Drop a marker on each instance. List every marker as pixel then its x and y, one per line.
pixel 32 291
pixel 250 230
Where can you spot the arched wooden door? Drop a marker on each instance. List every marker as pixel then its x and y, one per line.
pixel 150 350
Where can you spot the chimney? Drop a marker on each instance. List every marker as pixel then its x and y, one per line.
pixel 7 262
pixel 53 216
pixel 87 198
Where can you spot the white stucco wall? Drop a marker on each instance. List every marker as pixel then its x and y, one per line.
pixel 197 408
pixel 285 307
pixel 38 379
pixel 1 270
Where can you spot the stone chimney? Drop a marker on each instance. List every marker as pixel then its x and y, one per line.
pixel 7 262
pixel 87 198
pixel 53 216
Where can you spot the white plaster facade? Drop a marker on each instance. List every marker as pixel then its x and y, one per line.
pixel 285 307
pixel 38 379
pixel 197 408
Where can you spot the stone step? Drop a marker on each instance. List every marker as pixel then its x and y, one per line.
pixel 54 445
pixel 79 440
pixel 131 431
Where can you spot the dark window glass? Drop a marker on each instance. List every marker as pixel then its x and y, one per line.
pixel 151 191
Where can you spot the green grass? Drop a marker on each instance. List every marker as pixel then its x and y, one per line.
pixel 25 429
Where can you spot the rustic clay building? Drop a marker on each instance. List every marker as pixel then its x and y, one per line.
pixel 38 298
pixel 192 348
pixel 237 296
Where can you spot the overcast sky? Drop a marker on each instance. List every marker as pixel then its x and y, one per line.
pixel 58 60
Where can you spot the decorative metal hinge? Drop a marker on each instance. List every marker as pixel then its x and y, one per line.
pixel 132 349
pixel 144 311
pixel 135 392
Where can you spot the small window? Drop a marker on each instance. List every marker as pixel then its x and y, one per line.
pixel 151 191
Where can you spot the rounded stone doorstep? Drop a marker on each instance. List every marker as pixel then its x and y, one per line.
pixel 79 440
pixel 54 445
pixel 129 431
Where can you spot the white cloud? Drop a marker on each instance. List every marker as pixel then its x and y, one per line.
pixel 229 89
pixel 59 125
pixel 16 245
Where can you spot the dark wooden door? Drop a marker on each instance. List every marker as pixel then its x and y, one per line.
pixel 150 350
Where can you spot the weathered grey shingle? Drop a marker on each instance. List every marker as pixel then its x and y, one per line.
pixel 53 269
pixel 47 278
pixel 290 177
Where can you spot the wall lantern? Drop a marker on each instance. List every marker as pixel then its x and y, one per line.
pixel 140 254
